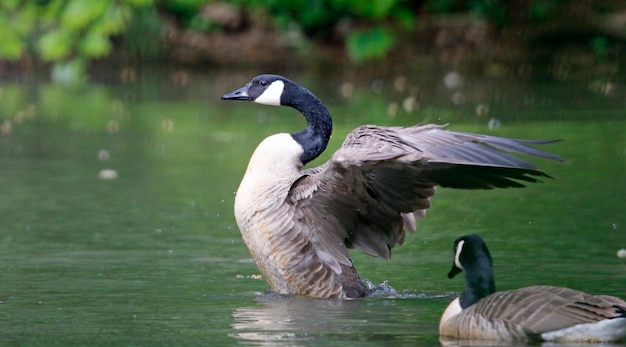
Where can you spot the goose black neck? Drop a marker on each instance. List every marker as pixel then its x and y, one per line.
pixel 314 138
pixel 479 282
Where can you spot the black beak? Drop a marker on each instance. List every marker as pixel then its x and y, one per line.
pixel 454 271
pixel 239 94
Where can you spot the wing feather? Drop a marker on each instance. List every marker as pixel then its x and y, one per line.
pixel 372 189
pixel 538 309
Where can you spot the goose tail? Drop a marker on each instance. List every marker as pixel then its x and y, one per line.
pixel 620 311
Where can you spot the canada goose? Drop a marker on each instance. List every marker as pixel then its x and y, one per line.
pixel 529 313
pixel 298 224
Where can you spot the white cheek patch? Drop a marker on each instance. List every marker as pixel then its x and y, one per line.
pixel 271 95
pixel 459 248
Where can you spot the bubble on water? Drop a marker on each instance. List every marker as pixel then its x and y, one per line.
pixel 493 123
pixel 104 154
pixel 482 110
pixel 458 98
pixel 377 85
pixel 107 174
pixel 453 80
pixel 113 126
pixel 347 90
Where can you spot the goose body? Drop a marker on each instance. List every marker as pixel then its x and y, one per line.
pixel 530 313
pixel 299 223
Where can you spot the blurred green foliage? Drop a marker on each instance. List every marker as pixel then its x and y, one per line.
pixel 369 43
pixel 66 32
pixel 372 23
pixel 70 33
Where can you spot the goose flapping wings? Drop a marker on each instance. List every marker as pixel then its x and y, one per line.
pixel 298 224
pixel 372 189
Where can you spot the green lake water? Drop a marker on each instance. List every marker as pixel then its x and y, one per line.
pixel 153 256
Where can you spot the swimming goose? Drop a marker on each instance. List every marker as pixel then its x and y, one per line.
pixel 529 313
pixel 299 223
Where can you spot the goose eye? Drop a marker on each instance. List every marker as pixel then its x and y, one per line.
pixel 263 83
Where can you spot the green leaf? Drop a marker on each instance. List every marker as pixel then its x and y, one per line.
pixel 78 14
pixel 113 20
pixel 9 4
pixel 405 17
pixel 11 45
pixel 373 9
pixel 380 8
pixel 141 3
pixel 95 45
pixel 369 44
pixel 56 44
pixel 25 20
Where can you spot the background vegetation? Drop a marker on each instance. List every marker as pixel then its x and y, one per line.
pixel 68 34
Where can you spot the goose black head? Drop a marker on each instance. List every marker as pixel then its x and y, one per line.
pixel 472 256
pixel 263 89
pixel 469 251
pixel 277 90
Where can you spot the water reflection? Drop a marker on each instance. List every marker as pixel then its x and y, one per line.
pixel 291 319
pixel 298 321
pixel 450 342
pixel 400 320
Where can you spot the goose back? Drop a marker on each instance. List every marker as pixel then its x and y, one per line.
pixel 528 313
